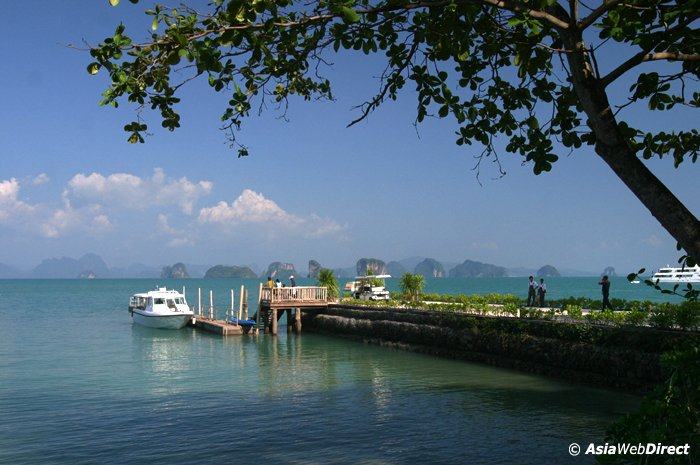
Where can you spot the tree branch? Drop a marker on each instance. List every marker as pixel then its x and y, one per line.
pixel 597 13
pixel 643 56
pixel 560 21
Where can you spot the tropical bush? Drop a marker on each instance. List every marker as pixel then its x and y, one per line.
pixel 327 279
pixel 670 415
pixel 412 286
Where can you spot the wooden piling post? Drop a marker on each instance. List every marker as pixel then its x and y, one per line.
pixel 273 323
pixel 233 306
pixel 211 304
pixel 245 303
pixel 297 321
pixel 240 303
pixel 199 301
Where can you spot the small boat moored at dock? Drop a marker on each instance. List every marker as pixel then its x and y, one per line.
pixel 160 308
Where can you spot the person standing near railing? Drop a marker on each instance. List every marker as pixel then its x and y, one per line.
pixel 270 282
pixel 292 281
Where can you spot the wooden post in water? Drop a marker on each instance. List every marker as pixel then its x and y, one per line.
pixel 199 301
pixel 245 303
pixel 211 304
pixel 297 321
pixel 240 303
pixel 273 322
pixel 289 319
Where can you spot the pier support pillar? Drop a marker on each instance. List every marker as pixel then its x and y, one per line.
pixel 297 320
pixel 273 323
pixel 289 319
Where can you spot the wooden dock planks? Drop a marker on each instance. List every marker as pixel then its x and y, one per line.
pixel 216 326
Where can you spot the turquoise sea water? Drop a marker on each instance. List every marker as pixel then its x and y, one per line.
pixel 80 384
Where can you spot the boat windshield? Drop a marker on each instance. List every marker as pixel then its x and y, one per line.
pixel 179 301
pixel 158 301
pixel 171 303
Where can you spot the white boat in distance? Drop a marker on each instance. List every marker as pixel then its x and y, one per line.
pixel 160 308
pixel 688 274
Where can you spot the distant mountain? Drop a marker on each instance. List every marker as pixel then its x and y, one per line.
pixel 473 269
pixel 222 271
pixel 395 269
pixel 430 268
pixel 70 268
pixel 374 265
pixel 279 270
pixel 177 271
pixel 548 271
pixel 314 268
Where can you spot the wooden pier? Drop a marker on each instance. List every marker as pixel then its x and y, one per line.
pixel 219 327
pixel 274 302
pixel 272 305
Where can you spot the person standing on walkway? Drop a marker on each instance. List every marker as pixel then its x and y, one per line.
pixel 278 283
pixel 541 291
pixel 531 292
pixel 605 288
pixel 292 281
pixel 270 282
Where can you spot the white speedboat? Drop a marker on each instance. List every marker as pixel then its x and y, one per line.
pixel 160 308
pixel 688 274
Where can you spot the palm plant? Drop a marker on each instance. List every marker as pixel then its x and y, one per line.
pixel 327 279
pixel 412 285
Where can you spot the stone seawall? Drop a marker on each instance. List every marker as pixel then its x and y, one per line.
pixel 624 358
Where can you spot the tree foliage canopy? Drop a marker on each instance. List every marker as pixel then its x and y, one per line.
pixel 523 71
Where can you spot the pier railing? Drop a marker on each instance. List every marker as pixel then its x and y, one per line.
pixel 296 295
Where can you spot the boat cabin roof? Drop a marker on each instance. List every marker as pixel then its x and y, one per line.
pixel 160 292
pixel 379 276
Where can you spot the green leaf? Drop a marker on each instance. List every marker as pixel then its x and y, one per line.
pixel 349 15
pixel 154 24
pixel 93 68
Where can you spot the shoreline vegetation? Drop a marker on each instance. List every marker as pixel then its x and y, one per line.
pixel 681 316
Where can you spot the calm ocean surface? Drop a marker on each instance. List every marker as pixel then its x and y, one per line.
pixel 80 384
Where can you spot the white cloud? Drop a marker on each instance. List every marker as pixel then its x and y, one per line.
pixel 40 179
pixel 89 219
pixel 249 207
pixel 11 207
pixel 253 207
pixel 127 191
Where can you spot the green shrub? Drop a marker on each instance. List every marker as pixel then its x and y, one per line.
pixel 636 317
pixel 574 311
pixel 687 315
pixel 662 316
pixel 327 279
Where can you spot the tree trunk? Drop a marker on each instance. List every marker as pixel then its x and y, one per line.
pixel 614 149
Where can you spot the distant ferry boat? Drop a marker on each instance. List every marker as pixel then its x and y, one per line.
pixel 688 274
pixel 160 309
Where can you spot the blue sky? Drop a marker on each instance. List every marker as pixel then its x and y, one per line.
pixel 311 188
